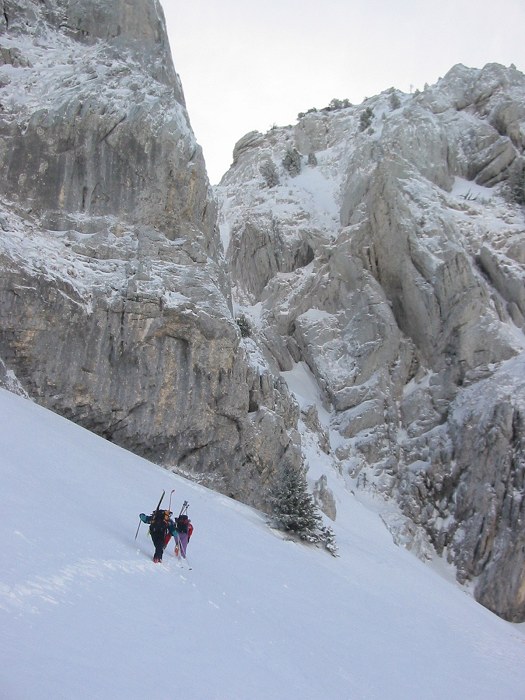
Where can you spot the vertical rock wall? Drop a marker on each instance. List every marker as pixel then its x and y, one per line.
pixel 115 306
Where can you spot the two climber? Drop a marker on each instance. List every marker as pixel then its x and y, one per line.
pixel 162 527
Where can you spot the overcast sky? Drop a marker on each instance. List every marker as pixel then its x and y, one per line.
pixel 248 65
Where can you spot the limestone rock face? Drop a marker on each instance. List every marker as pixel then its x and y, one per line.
pixel 115 306
pixel 389 263
pixel 490 542
pixel 94 107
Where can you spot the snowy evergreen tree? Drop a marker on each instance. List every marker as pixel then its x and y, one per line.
pixel 295 511
pixel 294 507
pixel 365 120
pixel 339 104
pixel 328 540
pixel 269 172
pixel 244 326
pixel 292 161
pixel 395 102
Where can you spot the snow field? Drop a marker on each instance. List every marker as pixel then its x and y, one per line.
pixel 84 613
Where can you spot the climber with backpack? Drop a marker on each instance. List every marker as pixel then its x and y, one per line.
pixel 184 530
pixel 160 526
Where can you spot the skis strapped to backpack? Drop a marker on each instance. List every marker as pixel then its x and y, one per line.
pixel 160 501
pixel 153 514
pixel 181 521
pixel 155 519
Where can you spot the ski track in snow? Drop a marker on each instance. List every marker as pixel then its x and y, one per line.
pixel 52 588
pixel 33 594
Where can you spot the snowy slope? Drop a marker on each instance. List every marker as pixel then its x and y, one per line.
pixel 84 613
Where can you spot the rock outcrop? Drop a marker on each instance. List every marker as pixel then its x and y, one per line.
pixel 389 261
pixel 115 306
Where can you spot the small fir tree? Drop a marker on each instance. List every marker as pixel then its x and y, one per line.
pixel 339 104
pixel 269 173
pixel 294 507
pixel 244 326
pixel 292 161
pixel 365 120
pixel 295 511
pixel 395 102
pixel 328 540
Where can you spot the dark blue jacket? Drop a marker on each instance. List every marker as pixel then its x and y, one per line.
pixel 172 529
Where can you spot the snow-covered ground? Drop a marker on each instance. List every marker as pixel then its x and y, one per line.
pixel 84 612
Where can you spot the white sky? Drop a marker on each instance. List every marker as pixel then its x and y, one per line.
pixel 248 65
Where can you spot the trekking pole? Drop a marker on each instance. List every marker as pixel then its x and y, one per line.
pixel 189 566
pixel 140 521
pixel 184 555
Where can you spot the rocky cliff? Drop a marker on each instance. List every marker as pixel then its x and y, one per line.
pixel 381 249
pixel 115 306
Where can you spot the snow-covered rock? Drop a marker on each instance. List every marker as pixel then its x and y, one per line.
pixel 389 260
pixel 115 307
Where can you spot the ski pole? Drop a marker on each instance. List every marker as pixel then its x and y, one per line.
pixel 140 521
pixel 183 554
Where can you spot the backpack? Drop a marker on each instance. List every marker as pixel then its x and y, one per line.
pixel 159 521
pixel 182 523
